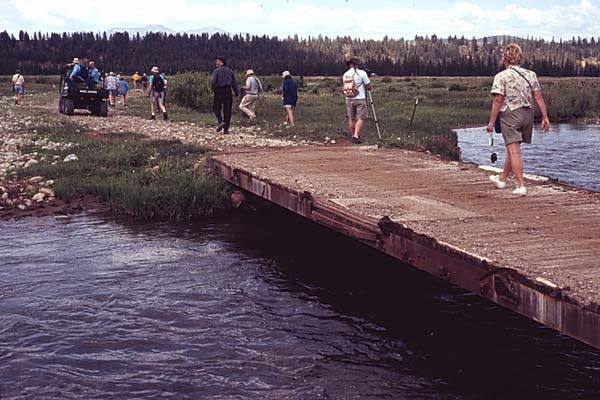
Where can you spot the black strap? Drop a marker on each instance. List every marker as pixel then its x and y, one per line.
pixel 523 76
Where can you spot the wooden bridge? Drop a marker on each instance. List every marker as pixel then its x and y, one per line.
pixel 538 255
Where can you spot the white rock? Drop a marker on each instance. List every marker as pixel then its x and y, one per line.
pixel 47 192
pixel 31 162
pixel 38 197
pixel 21 207
pixel 4 196
pixel 35 179
pixel 71 157
pixel 28 203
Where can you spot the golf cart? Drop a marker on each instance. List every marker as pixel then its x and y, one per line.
pixel 80 95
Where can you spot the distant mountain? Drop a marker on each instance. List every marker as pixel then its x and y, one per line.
pixel 211 30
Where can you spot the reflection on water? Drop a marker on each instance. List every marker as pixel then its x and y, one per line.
pixel 567 152
pixel 254 307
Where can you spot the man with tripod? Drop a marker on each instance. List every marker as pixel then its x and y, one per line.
pixel 356 83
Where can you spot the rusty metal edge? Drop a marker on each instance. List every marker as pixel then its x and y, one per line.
pixel 504 286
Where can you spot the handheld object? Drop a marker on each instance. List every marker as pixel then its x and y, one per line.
pixel 494 156
pixel 374 115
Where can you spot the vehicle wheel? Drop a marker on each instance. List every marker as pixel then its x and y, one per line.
pixel 69 107
pixel 104 109
pixel 61 105
pixel 95 109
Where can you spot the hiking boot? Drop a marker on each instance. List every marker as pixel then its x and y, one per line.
pixel 520 191
pixel 165 116
pixel 153 116
pixel 500 184
pixel 225 132
pixel 356 140
pixel 220 126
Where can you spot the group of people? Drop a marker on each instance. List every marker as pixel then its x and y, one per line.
pixel 224 86
pixel 140 81
pixel 91 77
pixel 514 89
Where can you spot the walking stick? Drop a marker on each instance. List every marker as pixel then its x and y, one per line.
pixel 414 110
pixel 374 114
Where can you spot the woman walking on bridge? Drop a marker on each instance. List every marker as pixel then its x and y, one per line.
pixel 514 90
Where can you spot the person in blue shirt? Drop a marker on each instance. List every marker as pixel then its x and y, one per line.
pixel 123 89
pixel 290 97
pixel 156 92
pixel 93 74
pixel 75 75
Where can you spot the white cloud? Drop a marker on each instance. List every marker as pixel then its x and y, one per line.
pixel 331 18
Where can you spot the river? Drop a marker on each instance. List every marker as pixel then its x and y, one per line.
pixel 254 306
pixel 567 152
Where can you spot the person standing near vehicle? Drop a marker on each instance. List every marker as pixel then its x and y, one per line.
pixel 248 103
pixel 93 75
pixel 356 83
pixel 290 97
pixel 123 89
pixel 156 92
pixel 223 83
pixel 112 85
pixel 514 90
pixel 18 86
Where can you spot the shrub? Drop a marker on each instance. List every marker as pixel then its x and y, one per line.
pixel 457 87
pixel 191 90
pixel 386 79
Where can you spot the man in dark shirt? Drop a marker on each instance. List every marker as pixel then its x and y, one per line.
pixel 222 84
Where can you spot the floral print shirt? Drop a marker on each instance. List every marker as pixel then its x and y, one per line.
pixel 514 87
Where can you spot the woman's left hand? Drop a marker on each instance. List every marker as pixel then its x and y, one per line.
pixel 546 124
pixel 489 128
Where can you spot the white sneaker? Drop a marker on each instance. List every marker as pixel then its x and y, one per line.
pixel 499 183
pixel 520 191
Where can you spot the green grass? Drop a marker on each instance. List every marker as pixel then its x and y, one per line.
pixel 137 177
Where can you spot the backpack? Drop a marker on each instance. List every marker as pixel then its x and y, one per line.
pixel 350 89
pixel 158 84
pixel 260 86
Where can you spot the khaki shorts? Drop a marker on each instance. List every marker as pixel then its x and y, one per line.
pixel 517 125
pixel 356 109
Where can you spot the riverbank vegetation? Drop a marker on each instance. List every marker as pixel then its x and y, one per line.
pixel 137 177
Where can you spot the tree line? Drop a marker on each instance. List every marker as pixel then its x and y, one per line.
pixel 46 53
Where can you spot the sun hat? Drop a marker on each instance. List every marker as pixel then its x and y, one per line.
pixel 91 62
pixel 154 69
pixel 111 73
pixel 76 60
pixel 353 60
pixel 285 73
pixel 249 72
pixel 222 59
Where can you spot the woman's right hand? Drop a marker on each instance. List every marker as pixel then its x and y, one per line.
pixel 489 128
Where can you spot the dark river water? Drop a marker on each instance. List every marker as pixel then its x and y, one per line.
pixel 567 152
pixel 261 306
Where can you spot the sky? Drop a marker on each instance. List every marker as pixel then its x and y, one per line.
pixel 368 19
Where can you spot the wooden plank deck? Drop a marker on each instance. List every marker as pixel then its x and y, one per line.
pixel 547 242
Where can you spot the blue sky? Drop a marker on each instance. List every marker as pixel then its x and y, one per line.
pixel 364 18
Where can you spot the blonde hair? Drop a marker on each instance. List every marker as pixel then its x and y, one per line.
pixel 512 54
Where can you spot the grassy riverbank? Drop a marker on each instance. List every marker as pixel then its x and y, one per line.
pixel 135 175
